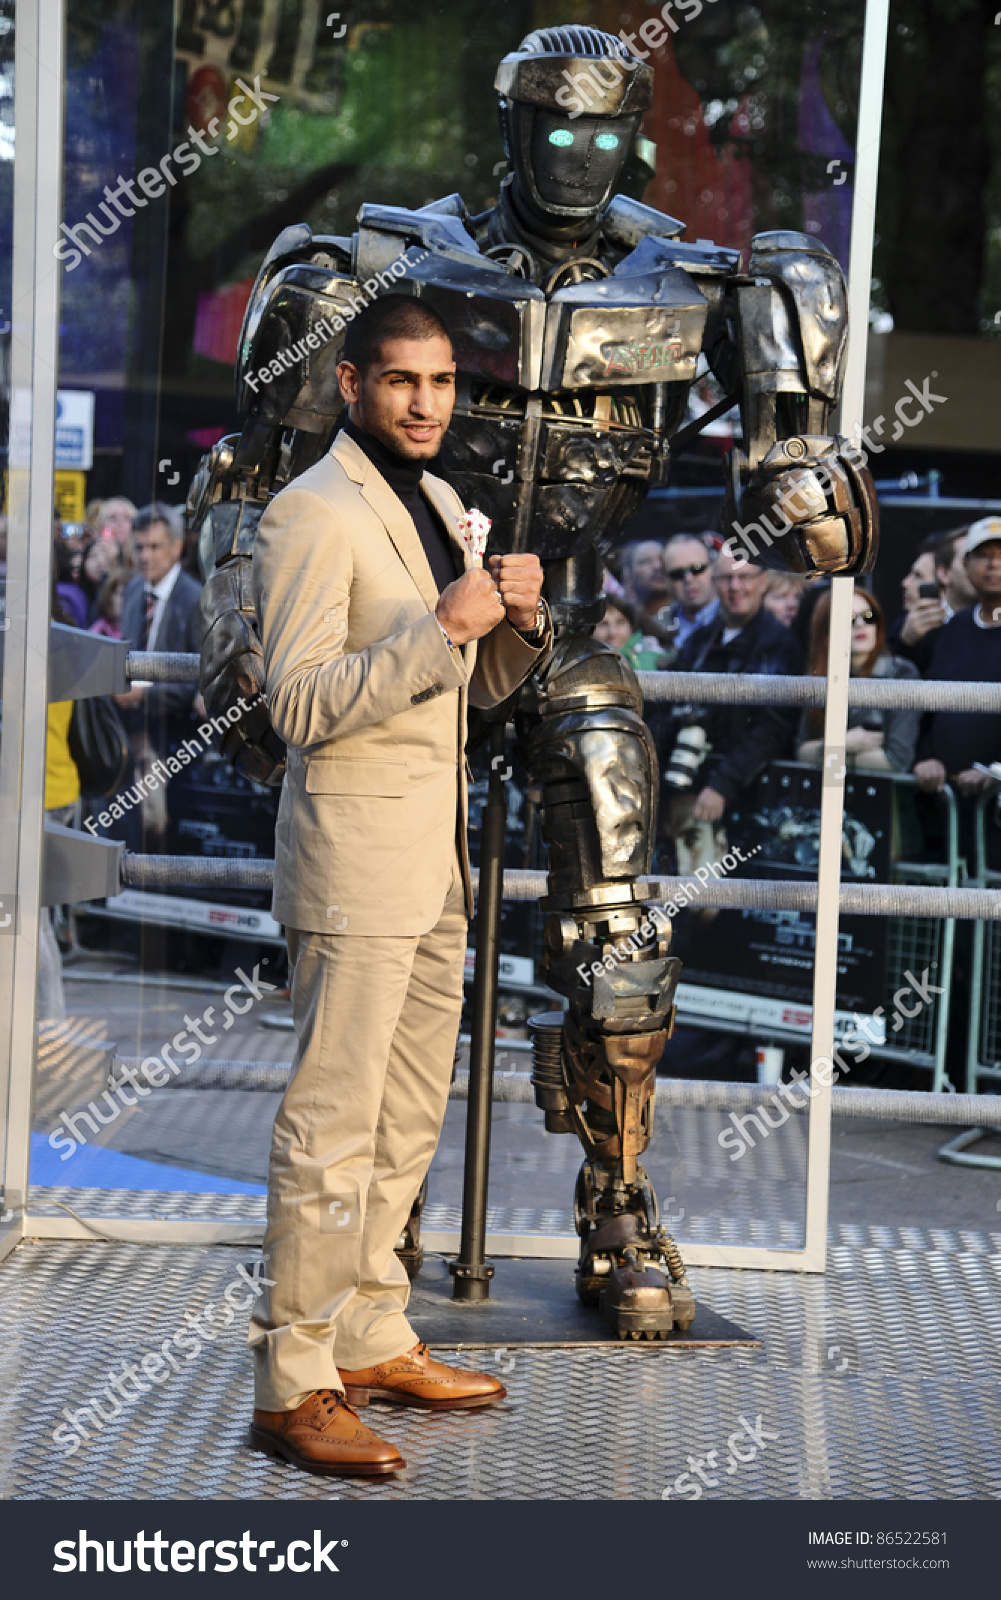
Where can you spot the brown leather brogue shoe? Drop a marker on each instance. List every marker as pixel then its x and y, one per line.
pixel 325 1435
pixel 415 1379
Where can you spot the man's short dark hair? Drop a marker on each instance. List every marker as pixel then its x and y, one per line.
pixel 945 547
pixel 392 316
pixel 629 551
pixel 156 512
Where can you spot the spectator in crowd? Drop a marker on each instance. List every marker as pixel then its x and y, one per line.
pixel 618 630
pixel 720 749
pixel 109 604
pixel 100 558
pixel 645 586
pixel 689 562
pixel 784 595
pixel 114 522
pixel 967 650
pixel 71 595
pixel 876 741
pixel 914 634
pixel 159 612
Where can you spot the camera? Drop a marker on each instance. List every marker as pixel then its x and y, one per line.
pixel 691 746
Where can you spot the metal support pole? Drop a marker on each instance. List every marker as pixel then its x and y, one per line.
pixel 38 136
pixel 839 649
pixel 472 1272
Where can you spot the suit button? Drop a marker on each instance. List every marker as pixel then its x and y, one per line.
pixel 427 694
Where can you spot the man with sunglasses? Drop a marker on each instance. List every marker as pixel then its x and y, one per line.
pixel 739 740
pixel 689 562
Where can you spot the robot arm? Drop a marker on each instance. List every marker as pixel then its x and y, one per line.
pixel 798 498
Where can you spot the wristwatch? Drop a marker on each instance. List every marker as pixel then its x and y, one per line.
pixel 536 632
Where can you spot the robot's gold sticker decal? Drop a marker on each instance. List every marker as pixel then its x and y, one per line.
pixel 636 357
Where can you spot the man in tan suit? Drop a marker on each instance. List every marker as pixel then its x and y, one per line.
pixel 378 627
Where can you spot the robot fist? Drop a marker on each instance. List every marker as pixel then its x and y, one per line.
pixel 810 508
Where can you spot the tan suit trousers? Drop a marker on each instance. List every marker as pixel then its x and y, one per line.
pixel 376 1021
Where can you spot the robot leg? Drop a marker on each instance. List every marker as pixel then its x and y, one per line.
pixel 410 1250
pixel 607 951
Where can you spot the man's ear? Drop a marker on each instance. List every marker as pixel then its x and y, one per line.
pixel 349 379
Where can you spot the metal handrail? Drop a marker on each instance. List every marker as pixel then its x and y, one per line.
pixel 863 899
pixel 778 689
pixel 709 688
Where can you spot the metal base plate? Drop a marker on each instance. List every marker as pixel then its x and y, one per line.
pixel 534 1303
pixel 880 1381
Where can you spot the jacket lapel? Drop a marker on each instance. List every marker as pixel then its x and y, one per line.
pixel 397 522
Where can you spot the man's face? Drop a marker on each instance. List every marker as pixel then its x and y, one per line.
pixel 922 571
pixel 959 588
pixel 645 578
pixel 741 589
pixel 156 551
pixel 690 574
pixel 405 398
pixel 983 571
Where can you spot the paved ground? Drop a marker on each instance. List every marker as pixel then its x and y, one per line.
pixel 879 1171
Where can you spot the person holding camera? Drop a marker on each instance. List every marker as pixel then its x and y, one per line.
pixel 936 587
pixel 719 750
pixel 954 745
pixel 876 741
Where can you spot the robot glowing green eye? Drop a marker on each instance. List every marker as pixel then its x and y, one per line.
pixel 561 136
pixel 607 141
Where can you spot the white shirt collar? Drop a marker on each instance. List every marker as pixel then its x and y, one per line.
pixel 164 588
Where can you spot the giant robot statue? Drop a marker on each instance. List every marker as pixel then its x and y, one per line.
pixel 578 320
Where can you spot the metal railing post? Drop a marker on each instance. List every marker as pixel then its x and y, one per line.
pixel 471 1272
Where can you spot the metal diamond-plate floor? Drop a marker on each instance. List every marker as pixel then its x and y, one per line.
pixel 879 1381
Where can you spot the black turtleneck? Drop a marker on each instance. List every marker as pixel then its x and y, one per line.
pixel 404 478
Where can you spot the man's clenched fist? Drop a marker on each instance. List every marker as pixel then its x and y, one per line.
pixel 519 579
pixel 473 605
pixel 470 607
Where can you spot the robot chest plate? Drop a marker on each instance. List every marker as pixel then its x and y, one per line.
pixel 643 327
pixel 646 326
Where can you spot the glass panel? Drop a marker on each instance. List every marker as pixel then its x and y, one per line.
pixel 171 202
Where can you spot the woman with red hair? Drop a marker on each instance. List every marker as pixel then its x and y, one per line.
pixel 876 741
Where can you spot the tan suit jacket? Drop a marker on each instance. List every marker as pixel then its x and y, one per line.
pixel 370 700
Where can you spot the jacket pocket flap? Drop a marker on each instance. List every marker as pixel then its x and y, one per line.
pixel 351 775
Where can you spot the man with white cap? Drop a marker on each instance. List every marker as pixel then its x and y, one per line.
pixel 967 650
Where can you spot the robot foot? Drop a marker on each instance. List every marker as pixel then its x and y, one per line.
pixel 410 1250
pixel 636 1276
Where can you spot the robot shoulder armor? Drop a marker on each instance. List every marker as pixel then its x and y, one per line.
pixel 811 277
pixel 627 221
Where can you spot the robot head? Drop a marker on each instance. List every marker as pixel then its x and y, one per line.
pixel 571 103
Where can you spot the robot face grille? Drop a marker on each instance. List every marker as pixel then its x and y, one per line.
pixel 575 163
